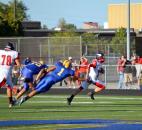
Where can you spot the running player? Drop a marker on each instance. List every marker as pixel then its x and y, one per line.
pixel 94 69
pixel 59 72
pixel 8 57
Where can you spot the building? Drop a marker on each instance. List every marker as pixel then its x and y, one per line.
pixel 31 25
pixel 117 15
pixel 90 25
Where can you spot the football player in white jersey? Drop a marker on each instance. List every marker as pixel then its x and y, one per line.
pixel 94 69
pixel 8 58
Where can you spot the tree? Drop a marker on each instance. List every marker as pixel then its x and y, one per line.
pixel 11 16
pixel 88 38
pixel 20 10
pixel 119 41
pixel 61 23
pixel 70 27
pixel 66 26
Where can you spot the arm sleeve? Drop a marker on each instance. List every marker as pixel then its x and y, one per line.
pixel 93 64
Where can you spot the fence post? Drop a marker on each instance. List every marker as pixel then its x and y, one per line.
pixel 18 45
pixel 108 53
pixel 80 46
pixel 49 54
pixel 40 50
pixel 105 75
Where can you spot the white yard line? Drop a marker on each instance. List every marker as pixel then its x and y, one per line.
pixel 44 110
pixel 64 102
pixel 80 96
pixel 59 102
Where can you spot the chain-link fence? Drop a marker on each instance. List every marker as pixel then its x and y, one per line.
pixel 51 49
pixel 48 49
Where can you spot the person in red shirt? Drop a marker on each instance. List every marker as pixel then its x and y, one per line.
pixel 120 70
pixel 83 67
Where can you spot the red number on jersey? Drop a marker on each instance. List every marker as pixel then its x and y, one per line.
pixel 6 60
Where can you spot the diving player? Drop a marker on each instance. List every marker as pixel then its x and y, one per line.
pixel 94 69
pixel 57 73
pixel 27 72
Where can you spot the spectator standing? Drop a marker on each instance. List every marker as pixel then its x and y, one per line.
pixel 140 80
pixel 120 71
pixel 134 71
pixel 83 67
pixel 128 74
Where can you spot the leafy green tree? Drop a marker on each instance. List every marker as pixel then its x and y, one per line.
pixel 88 38
pixel 70 27
pixel 66 26
pixel 119 41
pixel 11 16
pixel 65 34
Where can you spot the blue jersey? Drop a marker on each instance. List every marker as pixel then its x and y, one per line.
pixel 35 67
pixel 61 72
pixel 26 61
pixel 53 77
pixel 29 70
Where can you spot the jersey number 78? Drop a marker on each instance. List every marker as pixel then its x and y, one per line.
pixel 6 60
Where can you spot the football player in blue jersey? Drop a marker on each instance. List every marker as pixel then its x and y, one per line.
pixel 27 72
pixel 60 71
pixel 27 61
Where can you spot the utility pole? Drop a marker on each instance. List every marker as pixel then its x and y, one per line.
pixel 14 9
pixel 128 30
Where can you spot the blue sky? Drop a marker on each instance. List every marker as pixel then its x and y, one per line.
pixel 73 11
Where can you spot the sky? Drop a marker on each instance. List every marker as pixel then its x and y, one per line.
pixel 76 12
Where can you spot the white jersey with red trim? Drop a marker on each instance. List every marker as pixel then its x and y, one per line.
pixel 7 58
pixel 94 68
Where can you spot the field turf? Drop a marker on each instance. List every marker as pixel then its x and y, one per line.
pixel 51 112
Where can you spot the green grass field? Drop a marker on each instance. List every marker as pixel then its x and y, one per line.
pixel 54 107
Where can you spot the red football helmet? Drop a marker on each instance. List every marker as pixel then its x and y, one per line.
pixel 100 57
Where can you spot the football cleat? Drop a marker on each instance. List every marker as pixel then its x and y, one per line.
pixel 23 99
pixel 91 94
pixel 69 100
pixel 10 105
pixel 15 102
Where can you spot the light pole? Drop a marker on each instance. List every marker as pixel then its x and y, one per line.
pixel 14 9
pixel 128 30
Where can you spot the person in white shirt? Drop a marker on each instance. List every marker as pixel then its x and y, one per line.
pixel 8 58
